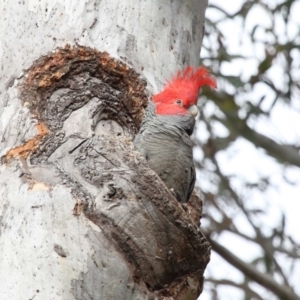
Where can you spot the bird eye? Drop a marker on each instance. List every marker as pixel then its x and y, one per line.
pixel 179 102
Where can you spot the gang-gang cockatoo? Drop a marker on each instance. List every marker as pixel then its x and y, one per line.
pixel 164 136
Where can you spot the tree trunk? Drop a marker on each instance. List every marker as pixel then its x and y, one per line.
pixel 81 214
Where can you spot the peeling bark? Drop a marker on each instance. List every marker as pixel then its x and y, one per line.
pixel 82 216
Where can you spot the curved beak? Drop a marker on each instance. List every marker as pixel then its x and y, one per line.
pixel 193 110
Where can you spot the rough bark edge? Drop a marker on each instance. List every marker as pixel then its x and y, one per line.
pixel 49 69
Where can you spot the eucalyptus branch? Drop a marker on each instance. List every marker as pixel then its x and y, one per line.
pixel 282 152
pixel 243 286
pixel 283 292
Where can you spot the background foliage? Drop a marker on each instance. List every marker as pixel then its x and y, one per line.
pixel 247 149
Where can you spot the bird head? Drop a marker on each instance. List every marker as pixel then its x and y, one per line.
pixel 180 95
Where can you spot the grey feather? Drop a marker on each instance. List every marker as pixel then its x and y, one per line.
pixel 165 143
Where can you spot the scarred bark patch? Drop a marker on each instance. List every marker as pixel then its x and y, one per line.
pixel 30 146
pixel 55 71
